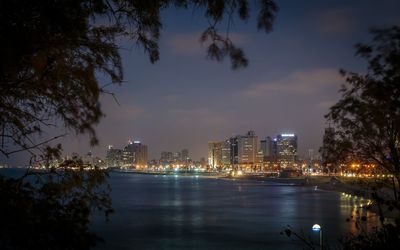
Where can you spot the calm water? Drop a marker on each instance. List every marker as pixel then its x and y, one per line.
pixel 168 212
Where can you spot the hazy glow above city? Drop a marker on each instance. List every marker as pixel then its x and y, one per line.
pixel 185 100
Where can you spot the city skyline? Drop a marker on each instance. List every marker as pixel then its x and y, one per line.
pixel 186 124
pixel 182 154
pixel 185 100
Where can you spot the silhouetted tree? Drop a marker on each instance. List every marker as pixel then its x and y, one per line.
pixel 367 126
pixel 51 209
pixel 367 117
pixel 51 54
pixel 333 151
pixel 54 50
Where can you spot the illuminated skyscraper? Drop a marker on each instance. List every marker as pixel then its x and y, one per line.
pixel 286 147
pixel 214 154
pixel 135 154
pixel 244 149
pixel 247 148
pixel 226 153
pixel 233 144
pixel 113 157
pixel 127 156
pixel 266 148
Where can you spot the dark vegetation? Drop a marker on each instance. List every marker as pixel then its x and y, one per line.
pixel 365 128
pixel 52 52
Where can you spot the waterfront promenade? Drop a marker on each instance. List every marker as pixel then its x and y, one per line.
pixel 350 185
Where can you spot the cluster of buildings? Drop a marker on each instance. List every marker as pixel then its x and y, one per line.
pixel 247 152
pixel 241 153
pixel 180 157
pixel 133 155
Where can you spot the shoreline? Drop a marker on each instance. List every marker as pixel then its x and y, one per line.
pixel 327 183
pixel 353 187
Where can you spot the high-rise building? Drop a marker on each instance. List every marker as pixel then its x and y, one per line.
pixel 141 154
pixel 233 144
pixel 135 154
pixel 113 157
pixel 166 157
pixel 259 156
pixel 266 148
pixel 226 153
pixel 215 154
pixel 247 148
pixel 177 157
pixel 185 155
pixel 286 146
pixel 243 149
pixel 127 156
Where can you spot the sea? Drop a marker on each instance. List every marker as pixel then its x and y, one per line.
pixel 194 212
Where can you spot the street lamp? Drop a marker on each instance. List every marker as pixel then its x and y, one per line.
pixel 317 228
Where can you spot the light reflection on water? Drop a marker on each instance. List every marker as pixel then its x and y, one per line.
pixel 173 212
pixel 354 207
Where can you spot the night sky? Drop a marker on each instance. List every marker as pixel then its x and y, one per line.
pixel 185 100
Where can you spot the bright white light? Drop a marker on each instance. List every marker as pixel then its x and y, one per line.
pixel 287 135
pixel 136 141
pixel 316 228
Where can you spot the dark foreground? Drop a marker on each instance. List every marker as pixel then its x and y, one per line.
pixel 173 212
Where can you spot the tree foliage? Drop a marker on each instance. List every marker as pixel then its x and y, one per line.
pixel 367 128
pixel 367 117
pixel 52 54
pixel 334 152
pixel 54 50
pixel 51 209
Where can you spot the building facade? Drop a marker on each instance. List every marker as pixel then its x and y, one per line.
pixel 135 155
pixel 248 148
pixel 226 153
pixel 185 155
pixel 286 147
pixel 267 149
pixel 113 157
pixel 166 157
pixel 215 154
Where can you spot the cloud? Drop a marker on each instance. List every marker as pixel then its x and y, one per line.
pixel 335 21
pixel 199 116
pixel 299 82
pixel 188 44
